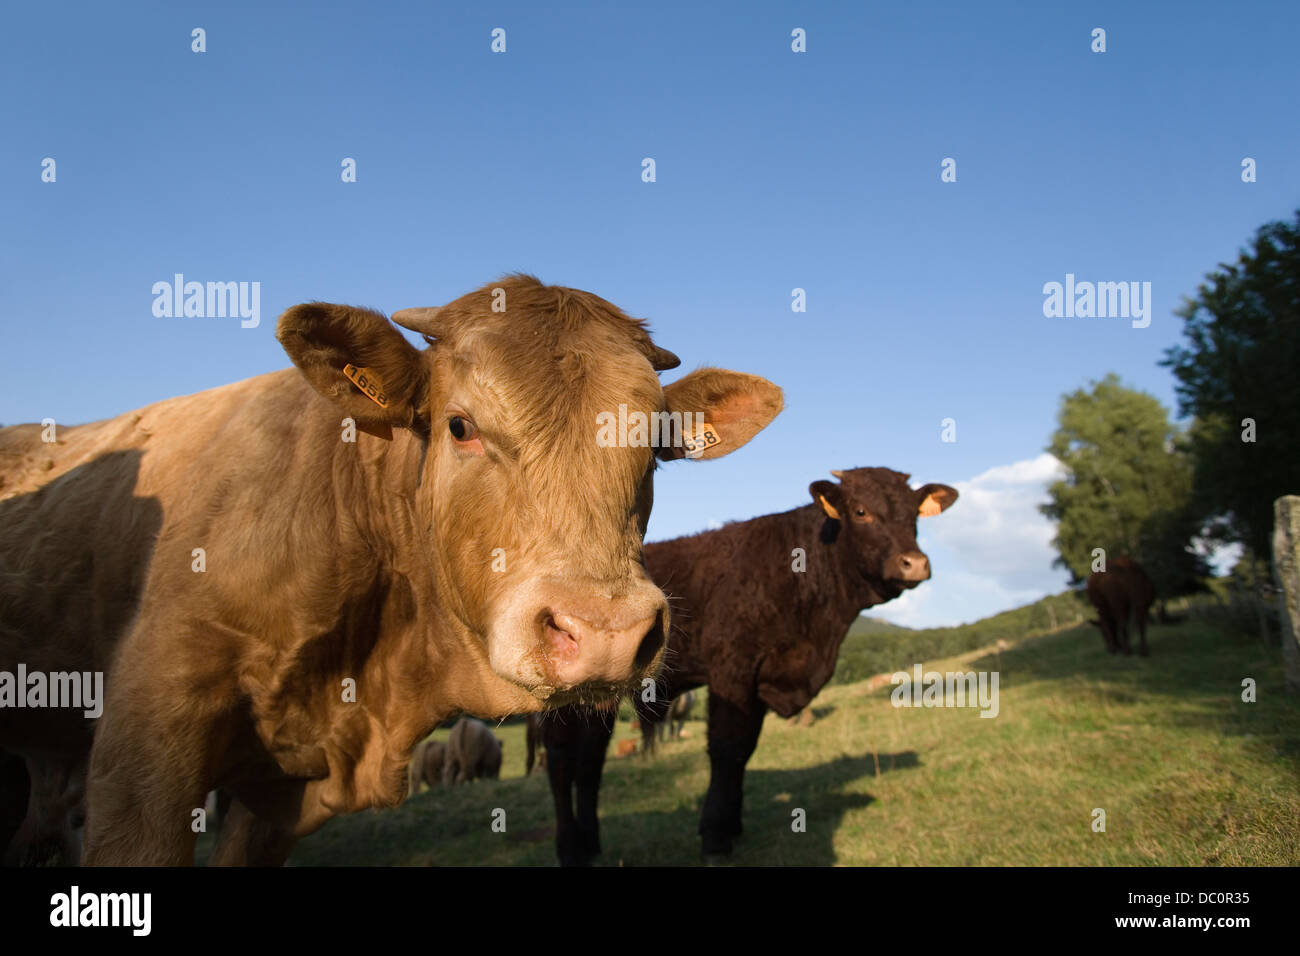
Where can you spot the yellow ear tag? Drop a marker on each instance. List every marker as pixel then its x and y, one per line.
pixel 828 508
pixel 929 507
pixel 368 382
pixel 702 436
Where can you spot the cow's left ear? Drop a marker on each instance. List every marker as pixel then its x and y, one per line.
pixel 727 409
pixel 356 358
pixel 934 499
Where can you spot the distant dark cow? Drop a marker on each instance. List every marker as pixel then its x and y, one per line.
pixel 671 726
pixel 473 752
pixel 760 610
pixel 427 761
pixel 1122 595
pixel 533 741
pixel 287 582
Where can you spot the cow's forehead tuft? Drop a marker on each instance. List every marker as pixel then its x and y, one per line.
pixel 883 489
pixel 882 478
pixel 523 306
pixel 549 354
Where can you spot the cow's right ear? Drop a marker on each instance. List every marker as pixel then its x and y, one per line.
pixel 829 497
pixel 356 358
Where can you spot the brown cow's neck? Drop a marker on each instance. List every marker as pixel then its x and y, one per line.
pixel 842 593
pixel 370 661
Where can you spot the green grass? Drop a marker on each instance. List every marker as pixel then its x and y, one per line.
pixel 1187 773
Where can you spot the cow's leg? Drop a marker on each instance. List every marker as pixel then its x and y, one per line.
pixel 15 788
pixel 576 740
pixel 1107 622
pixel 148 773
pixel 1125 623
pixel 54 809
pixel 560 738
pixel 592 747
pixel 733 734
pixel 245 839
pixel 650 732
pixel 651 715
pixel 1142 633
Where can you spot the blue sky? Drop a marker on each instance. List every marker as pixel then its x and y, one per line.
pixel 775 170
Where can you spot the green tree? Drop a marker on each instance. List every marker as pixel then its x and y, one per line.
pixel 1241 361
pixel 1127 487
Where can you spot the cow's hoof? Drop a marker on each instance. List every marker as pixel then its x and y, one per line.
pixel 717 859
pixel 717 846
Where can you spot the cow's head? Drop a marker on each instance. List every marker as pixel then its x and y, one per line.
pixel 532 517
pixel 873 514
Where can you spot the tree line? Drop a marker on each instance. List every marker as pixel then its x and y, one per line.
pixel 1138 483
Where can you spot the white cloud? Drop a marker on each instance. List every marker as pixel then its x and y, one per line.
pixel 991 551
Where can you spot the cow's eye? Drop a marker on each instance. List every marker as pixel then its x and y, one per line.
pixel 863 516
pixel 462 429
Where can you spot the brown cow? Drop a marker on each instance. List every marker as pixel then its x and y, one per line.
pixel 760 610
pixel 427 761
pixel 473 751
pixel 1122 595
pixel 293 579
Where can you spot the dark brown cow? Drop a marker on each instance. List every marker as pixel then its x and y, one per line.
pixel 283 607
pixel 1122 595
pixel 532 742
pixel 760 609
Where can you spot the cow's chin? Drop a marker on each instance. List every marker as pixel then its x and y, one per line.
pixel 586 695
pixel 886 589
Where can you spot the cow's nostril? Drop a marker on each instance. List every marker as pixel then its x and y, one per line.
pixel 564 642
pixel 651 644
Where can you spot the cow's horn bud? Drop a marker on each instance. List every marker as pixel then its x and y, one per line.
pixel 423 321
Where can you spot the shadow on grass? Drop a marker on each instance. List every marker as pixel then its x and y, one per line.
pixel 773 798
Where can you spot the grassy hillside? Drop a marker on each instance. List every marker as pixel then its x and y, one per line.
pixel 1186 772
pixel 865 625
pixel 877 647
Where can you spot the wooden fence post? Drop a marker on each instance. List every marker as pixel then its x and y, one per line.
pixel 1286 567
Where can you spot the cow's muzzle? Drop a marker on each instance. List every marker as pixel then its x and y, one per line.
pixel 595 649
pixel 908 568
